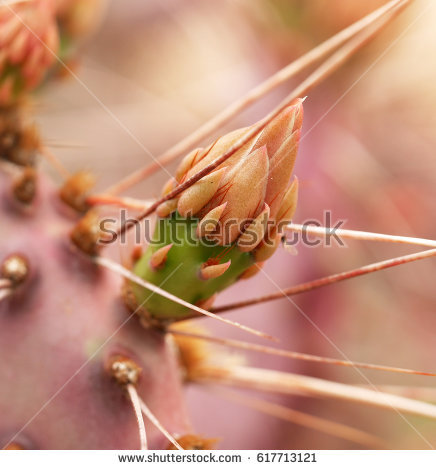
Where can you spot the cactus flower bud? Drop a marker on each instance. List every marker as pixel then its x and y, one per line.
pixel 220 227
pixel 29 42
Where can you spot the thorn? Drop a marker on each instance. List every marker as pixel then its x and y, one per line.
pixel 166 208
pixel 199 194
pixel 159 257
pixel 267 380
pixel 147 412
pixel 117 268
pixel 199 337
pixel 309 421
pixel 254 233
pixel 325 281
pixel 124 370
pixel 126 373
pixel 209 222
pixel 136 404
pixel 15 268
pixel 213 271
pixel 360 235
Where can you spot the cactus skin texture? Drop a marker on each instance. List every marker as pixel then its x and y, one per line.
pixel 65 317
pixel 59 319
pixel 242 201
pixel 61 315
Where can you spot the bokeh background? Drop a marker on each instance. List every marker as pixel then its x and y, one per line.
pixel 367 155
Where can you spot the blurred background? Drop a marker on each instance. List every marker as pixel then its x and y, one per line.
pixel 367 155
